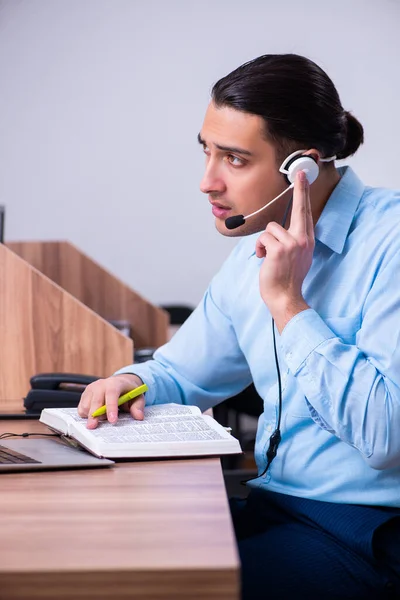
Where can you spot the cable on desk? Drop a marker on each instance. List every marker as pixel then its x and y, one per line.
pixel 6 435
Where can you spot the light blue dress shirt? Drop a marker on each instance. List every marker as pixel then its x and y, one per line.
pixel 339 360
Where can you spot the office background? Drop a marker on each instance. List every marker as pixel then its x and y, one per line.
pixel 101 102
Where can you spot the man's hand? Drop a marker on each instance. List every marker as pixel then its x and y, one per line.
pixel 288 257
pixel 107 391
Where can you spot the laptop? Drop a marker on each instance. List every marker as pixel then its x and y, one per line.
pixel 45 454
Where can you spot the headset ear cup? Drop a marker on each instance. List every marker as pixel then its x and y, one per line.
pixel 306 163
pixel 286 178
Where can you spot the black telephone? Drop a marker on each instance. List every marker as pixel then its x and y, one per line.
pixel 55 390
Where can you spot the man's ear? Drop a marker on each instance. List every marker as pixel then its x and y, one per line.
pixel 315 154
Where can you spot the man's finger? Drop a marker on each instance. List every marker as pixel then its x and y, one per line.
pixel 309 215
pixel 96 401
pixel 137 408
pixel 260 246
pixel 111 401
pixel 273 233
pixel 84 402
pixel 298 219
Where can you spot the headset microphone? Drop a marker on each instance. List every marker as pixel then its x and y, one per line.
pixel 233 222
pixel 295 162
pixel 238 220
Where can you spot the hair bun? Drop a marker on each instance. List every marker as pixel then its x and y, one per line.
pixel 354 136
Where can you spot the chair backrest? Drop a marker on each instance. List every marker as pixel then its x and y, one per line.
pixel 178 314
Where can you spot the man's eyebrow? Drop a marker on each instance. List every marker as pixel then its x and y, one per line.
pixel 232 149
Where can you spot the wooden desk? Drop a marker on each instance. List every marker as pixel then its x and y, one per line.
pixel 144 530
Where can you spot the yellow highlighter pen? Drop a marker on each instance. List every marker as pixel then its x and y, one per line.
pixel 122 399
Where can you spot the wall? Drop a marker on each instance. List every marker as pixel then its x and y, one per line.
pixel 101 102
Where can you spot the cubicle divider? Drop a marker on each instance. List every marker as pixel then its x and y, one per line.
pixel 97 288
pixel 56 305
pixel 43 328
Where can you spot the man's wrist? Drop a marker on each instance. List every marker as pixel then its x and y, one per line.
pixel 130 377
pixel 284 309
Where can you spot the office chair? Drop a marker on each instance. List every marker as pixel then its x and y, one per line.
pixel 178 313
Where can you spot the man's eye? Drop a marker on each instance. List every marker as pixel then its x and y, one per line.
pixel 235 161
pixel 206 150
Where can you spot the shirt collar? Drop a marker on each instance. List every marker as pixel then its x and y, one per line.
pixel 336 218
pixel 334 223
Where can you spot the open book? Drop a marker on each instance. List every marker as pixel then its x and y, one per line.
pixel 167 430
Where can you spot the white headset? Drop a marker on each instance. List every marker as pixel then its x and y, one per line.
pixel 298 161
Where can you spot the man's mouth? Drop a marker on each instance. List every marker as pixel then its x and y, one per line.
pixel 219 210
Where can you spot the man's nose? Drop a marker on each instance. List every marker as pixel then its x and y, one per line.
pixel 212 180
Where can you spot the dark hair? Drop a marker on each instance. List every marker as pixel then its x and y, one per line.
pixel 298 102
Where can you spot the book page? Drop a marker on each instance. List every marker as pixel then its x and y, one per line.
pixel 71 414
pixel 185 428
pixel 58 420
pixel 160 411
pixel 156 412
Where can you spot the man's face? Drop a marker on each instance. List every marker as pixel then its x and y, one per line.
pixel 241 172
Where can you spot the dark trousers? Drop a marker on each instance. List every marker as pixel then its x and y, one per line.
pixel 293 547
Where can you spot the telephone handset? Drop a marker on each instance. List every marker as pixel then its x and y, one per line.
pixel 55 390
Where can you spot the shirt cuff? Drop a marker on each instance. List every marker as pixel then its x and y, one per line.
pixel 301 336
pixel 143 371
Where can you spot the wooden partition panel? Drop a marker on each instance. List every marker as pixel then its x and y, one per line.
pixel 43 328
pixel 98 289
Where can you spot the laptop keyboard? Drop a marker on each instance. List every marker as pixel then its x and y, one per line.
pixel 11 457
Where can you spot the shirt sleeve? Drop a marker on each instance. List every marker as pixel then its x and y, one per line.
pixel 202 364
pixel 353 389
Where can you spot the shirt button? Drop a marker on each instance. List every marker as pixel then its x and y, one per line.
pixel 289 355
pixel 269 427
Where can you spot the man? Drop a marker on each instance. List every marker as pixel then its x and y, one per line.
pixel 307 307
